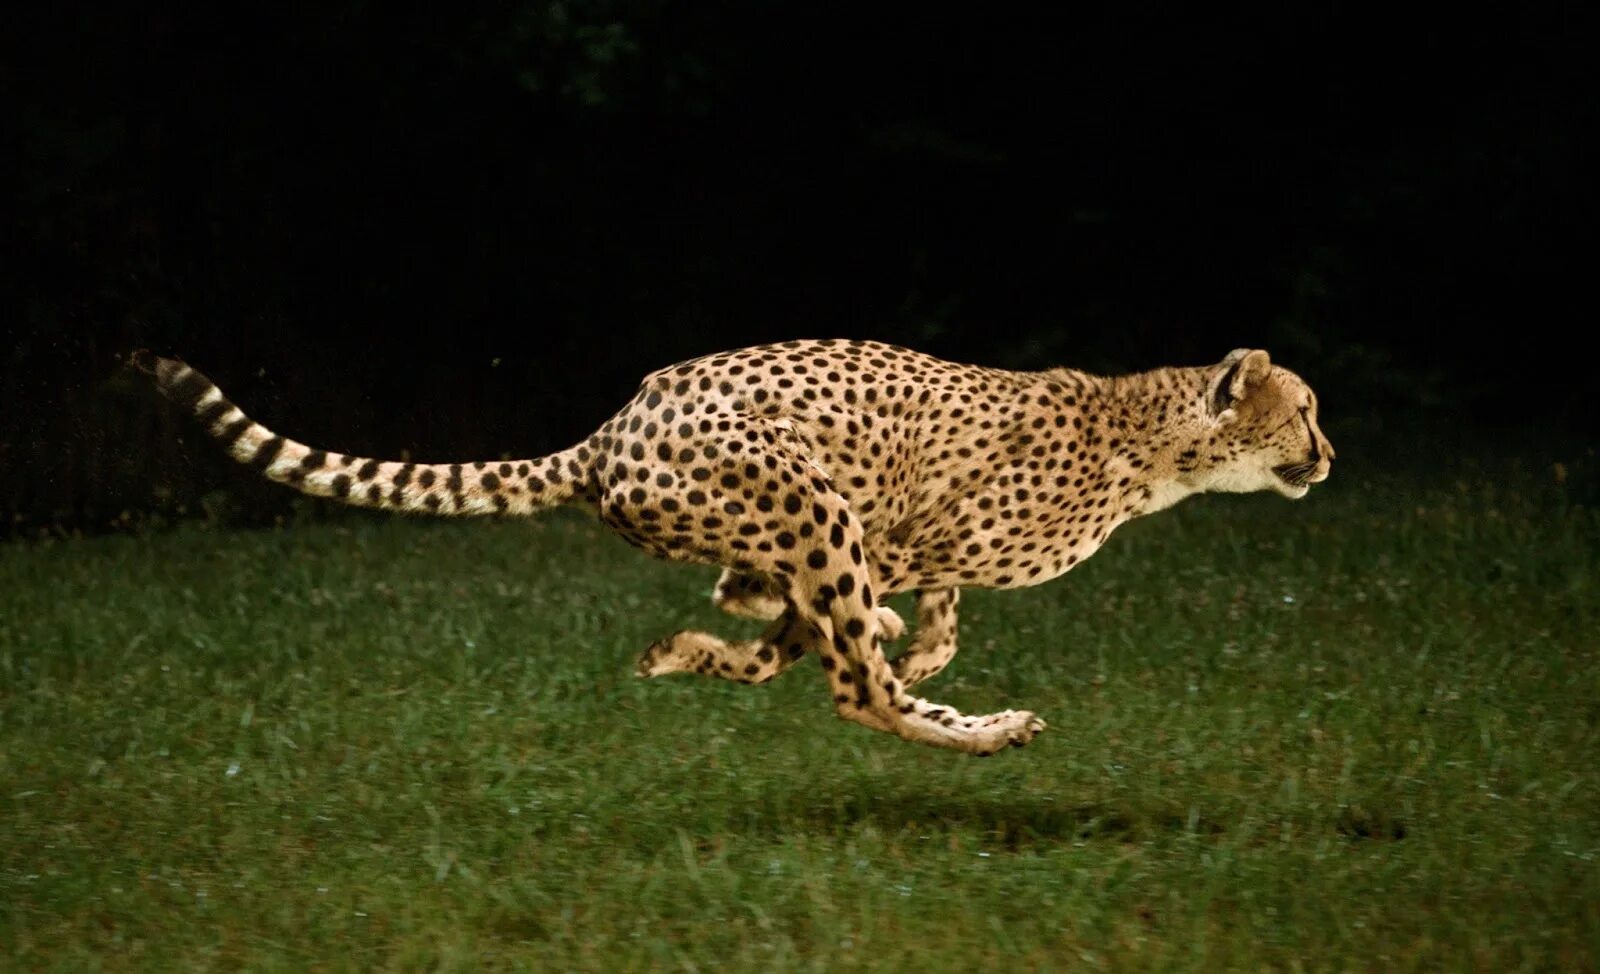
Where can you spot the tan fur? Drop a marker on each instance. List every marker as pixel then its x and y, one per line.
pixel 826 475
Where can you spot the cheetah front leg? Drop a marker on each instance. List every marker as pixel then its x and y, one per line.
pixel 935 643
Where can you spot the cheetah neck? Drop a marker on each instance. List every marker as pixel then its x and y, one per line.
pixel 1162 410
pixel 1162 496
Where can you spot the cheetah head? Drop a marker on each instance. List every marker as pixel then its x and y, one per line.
pixel 1263 432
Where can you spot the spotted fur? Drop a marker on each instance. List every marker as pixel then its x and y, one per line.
pixel 824 476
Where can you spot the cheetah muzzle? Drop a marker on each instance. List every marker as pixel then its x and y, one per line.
pixel 826 475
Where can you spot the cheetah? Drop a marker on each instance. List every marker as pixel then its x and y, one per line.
pixel 826 475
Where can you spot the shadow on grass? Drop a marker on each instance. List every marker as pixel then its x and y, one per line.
pixel 1018 822
pixel 1010 822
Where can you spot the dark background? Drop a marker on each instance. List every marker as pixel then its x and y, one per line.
pixel 468 231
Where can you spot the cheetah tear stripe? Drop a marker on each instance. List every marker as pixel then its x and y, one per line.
pixel 476 488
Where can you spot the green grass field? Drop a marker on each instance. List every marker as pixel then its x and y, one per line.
pixel 1360 732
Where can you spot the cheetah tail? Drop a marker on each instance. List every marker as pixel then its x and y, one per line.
pixel 498 487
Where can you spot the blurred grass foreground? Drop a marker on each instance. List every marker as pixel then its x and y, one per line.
pixel 1358 732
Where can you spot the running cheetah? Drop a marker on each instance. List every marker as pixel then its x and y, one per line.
pixel 826 475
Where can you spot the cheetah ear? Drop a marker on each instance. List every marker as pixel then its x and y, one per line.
pixel 1234 379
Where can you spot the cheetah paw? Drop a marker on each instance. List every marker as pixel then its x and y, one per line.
pixel 657 660
pixel 1014 728
pixel 890 625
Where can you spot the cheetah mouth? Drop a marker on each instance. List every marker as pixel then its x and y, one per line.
pixel 1297 475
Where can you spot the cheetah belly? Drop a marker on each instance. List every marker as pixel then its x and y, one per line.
pixel 975 561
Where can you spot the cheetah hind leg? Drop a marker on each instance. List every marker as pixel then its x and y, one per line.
pixel 748 595
pixel 743 661
pixel 746 661
pixel 831 605
pixel 753 596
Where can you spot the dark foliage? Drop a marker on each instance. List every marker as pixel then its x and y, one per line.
pixel 467 230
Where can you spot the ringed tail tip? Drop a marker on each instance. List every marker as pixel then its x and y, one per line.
pixel 152 364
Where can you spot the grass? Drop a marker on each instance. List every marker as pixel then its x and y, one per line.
pixel 1361 732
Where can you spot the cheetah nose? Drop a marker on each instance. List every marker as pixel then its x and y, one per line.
pixel 1323 469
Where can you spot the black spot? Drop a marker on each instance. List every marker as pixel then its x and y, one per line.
pixel 490 481
pixel 818 559
pixel 426 479
pixel 847 584
pixel 368 470
pixel 214 412
pixel 314 460
pixel 188 390
pixel 267 452
pixel 855 628
pixel 341 486
pixel 431 502
pixel 234 430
